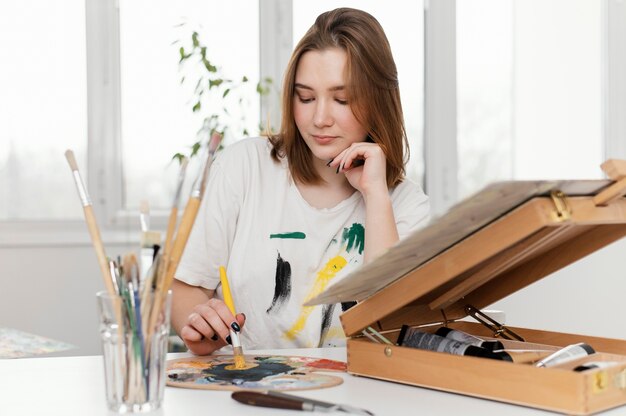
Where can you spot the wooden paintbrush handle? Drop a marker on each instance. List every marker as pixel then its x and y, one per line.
pixel 96 240
pixel 264 400
pixel 186 223
pixel 171 262
pixel 171 227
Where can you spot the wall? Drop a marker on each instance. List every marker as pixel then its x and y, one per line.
pixel 586 297
pixel 50 291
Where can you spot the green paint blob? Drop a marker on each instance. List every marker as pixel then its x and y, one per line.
pixel 355 236
pixel 295 235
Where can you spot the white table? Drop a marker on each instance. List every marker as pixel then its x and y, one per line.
pixel 75 386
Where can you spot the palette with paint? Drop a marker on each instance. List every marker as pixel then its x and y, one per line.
pixel 262 372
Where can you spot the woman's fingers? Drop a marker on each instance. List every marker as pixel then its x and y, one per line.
pixel 211 321
pixel 197 322
pixel 355 155
pixel 241 319
pixel 188 334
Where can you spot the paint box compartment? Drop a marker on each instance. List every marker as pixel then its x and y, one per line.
pixel 489 246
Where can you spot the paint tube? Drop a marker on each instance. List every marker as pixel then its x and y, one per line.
pixel 522 356
pixel 461 336
pixel 411 337
pixel 568 353
pixel 595 364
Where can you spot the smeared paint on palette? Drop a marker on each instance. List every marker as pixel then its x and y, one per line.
pixel 216 372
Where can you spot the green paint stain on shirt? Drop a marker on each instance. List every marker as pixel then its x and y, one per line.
pixel 355 236
pixel 295 235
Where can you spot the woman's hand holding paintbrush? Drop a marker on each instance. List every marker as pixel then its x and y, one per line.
pixel 208 326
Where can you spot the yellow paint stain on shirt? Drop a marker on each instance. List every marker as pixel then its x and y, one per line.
pixel 324 276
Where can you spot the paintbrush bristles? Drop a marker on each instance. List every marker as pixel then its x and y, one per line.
pixel 144 215
pixel 214 142
pixel 69 155
pixel 240 361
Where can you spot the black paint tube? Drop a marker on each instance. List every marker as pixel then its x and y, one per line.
pixel 412 337
pixel 461 336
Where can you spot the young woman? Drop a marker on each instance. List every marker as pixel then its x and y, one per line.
pixel 290 214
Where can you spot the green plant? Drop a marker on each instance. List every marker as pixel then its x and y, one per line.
pixel 220 99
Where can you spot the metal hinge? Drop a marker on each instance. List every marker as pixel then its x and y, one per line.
pixel 563 210
pixel 499 330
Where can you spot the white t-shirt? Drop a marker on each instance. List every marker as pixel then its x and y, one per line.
pixel 277 249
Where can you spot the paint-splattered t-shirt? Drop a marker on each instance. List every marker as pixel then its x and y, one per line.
pixel 279 250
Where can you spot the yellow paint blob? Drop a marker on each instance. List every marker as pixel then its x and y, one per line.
pixel 247 366
pixel 324 276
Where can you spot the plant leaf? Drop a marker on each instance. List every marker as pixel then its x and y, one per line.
pixel 208 66
pixel 215 82
pixel 196 107
pixel 178 157
pixel 226 92
pixel 194 149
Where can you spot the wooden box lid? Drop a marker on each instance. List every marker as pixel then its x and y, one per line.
pixel 485 248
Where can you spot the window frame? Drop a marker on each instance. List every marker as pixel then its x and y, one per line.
pixel 440 176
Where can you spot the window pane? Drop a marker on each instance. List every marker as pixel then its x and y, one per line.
pixel 157 117
pixel 43 107
pixel 403 23
pixel 529 90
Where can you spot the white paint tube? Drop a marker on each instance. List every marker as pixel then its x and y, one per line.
pixel 568 353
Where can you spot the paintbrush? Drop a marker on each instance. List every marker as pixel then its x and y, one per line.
pixel 189 217
pixel 149 239
pixel 240 361
pixel 144 215
pixel 171 224
pixel 131 277
pixel 92 225
pixel 170 260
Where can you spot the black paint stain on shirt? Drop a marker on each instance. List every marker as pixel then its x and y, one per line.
pixel 282 290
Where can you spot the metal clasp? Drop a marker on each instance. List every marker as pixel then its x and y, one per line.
pixel 499 330
pixel 563 210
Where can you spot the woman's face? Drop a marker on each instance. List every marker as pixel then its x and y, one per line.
pixel 321 110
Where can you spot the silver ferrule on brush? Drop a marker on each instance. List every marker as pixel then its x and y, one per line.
pixel 82 191
pixel 196 189
pixel 234 339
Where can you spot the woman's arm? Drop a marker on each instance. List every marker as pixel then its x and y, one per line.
pixel 370 179
pixel 381 231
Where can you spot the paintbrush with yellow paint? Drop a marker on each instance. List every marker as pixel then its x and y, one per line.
pixel 240 361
